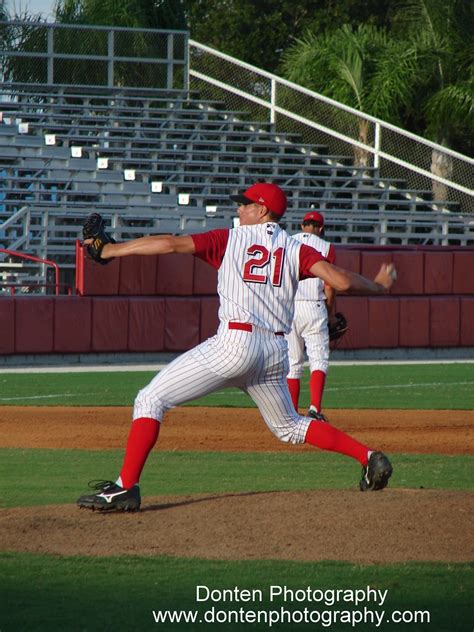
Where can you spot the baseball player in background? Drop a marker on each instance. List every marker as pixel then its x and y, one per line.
pixel 259 266
pixel 314 304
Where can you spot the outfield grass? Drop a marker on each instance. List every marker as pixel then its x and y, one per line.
pixel 79 594
pixel 39 477
pixel 439 386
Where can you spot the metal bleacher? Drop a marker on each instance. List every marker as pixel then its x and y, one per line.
pixel 166 161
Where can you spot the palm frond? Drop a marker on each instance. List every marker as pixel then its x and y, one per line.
pixel 452 106
pixel 349 69
pixel 393 81
pixel 308 61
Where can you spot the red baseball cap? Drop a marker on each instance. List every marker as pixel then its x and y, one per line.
pixel 265 193
pixel 314 216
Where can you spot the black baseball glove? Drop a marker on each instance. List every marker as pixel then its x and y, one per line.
pixel 94 228
pixel 337 326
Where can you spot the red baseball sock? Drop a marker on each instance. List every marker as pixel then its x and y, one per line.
pixel 143 435
pixel 326 437
pixel 294 388
pixel 317 380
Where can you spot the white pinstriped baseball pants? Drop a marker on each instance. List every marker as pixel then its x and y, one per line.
pixel 256 362
pixel 310 330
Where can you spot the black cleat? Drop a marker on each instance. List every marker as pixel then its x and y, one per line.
pixel 375 476
pixel 110 497
pixel 315 415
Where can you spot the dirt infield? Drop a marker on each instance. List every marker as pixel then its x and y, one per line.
pixel 232 429
pixel 395 525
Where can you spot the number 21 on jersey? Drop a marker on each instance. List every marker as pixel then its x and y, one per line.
pixel 257 269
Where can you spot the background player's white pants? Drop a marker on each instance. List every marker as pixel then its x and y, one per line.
pixel 256 362
pixel 310 330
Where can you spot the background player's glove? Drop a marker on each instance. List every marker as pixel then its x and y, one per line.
pixel 337 326
pixel 94 229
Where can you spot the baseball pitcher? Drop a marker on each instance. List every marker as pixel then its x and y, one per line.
pixel 259 267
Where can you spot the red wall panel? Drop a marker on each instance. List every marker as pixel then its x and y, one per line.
pixel 209 318
pixel 146 324
pixel 348 259
pixel 438 272
pixel 34 320
pixel 410 268
pixel 467 321
pixel 414 322
pixel 444 321
pixel 138 275
pixel 175 275
pixel 7 325
pixel 356 310
pixel 383 322
pixel 205 277
pixel 182 323
pixel 463 273
pixel 109 324
pixel 101 280
pixel 72 324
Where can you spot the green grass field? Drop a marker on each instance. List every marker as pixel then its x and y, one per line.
pixel 39 475
pixel 80 594
pixel 52 593
pixel 423 386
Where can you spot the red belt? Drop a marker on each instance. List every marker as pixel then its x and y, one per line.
pixel 249 327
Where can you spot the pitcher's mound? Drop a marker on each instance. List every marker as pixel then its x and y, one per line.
pixel 394 525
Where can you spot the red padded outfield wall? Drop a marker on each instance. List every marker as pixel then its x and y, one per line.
pixel 155 304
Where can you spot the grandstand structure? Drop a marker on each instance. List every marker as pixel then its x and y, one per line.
pixel 164 158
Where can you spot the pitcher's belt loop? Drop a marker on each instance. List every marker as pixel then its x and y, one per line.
pixel 248 327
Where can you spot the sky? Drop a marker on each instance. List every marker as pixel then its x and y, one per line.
pixel 33 7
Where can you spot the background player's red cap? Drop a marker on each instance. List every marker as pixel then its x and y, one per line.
pixel 314 216
pixel 265 193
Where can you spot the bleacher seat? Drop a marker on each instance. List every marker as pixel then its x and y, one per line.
pixel 157 150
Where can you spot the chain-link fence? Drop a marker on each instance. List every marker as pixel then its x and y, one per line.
pixel 443 175
pixel 61 54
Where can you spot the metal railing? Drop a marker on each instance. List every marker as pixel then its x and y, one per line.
pixel 53 239
pixel 79 54
pixel 396 153
pixel 43 262
pixel 50 229
pixel 116 57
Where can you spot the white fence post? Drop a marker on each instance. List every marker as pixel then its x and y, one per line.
pixel 377 140
pixel 273 101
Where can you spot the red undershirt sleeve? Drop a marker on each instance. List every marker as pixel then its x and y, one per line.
pixel 308 257
pixel 211 246
pixel 331 256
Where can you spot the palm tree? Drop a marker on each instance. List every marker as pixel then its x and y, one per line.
pixel 419 75
pixel 364 68
pixel 442 33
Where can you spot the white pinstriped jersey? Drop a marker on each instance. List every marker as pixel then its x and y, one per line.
pixel 313 289
pixel 259 269
pixel 259 276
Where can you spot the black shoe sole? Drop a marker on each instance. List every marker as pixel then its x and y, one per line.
pixel 125 506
